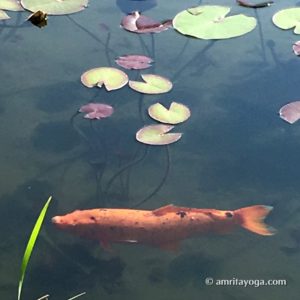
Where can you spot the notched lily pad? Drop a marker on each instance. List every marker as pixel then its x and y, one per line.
pixel 11 5
pixel 210 22
pixel 157 135
pixel 55 7
pixel 4 15
pixel 111 78
pixel 177 113
pixel 288 19
pixel 290 112
pixel 153 84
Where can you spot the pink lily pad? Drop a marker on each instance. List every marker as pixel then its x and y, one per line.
pixel 157 135
pixel 135 22
pixel 96 110
pixel 296 48
pixel 136 62
pixel 112 78
pixel 153 84
pixel 290 112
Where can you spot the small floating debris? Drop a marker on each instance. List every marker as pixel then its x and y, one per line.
pixel 38 19
pixel 136 62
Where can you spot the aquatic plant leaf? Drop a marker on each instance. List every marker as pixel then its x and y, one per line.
pixel 254 5
pixel 157 135
pixel 153 84
pixel 38 19
pixel 96 110
pixel 31 243
pixel 290 112
pixel 210 22
pixel 4 15
pixel 12 5
pixel 296 48
pixel 55 7
pixel 288 19
pixel 135 22
pixel 177 113
pixel 136 62
pixel 112 78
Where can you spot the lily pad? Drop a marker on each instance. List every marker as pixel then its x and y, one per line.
pixel 136 62
pixel 157 135
pixel 288 19
pixel 135 22
pixel 96 110
pixel 296 48
pixel 112 78
pixel 177 113
pixel 4 15
pixel 290 112
pixel 153 84
pixel 210 22
pixel 12 5
pixel 55 7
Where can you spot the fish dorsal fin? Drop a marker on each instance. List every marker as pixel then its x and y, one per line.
pixel 165 209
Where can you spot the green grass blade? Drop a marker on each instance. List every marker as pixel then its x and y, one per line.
pixel 31 243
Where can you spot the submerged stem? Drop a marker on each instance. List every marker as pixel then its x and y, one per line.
pixel 162 182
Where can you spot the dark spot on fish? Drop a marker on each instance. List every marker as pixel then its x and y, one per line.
pixel 136 223
pixel 164 223
pixel 229 214
pixel 182 214
pixel 93 218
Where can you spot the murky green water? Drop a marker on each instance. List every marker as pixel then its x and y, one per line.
pixel 235 152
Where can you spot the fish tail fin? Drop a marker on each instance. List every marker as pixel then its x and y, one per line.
pixel 252 219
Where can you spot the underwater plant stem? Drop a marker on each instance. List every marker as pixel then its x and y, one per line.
pixel 107 49
pixel 206 48
pixel 143 45
pixel 140 107
pixel 261 37
pixel 162 182
pixel 91 35
pixel 123 169
pixel 153 56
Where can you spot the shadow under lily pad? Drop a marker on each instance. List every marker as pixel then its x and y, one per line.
pixel 55 137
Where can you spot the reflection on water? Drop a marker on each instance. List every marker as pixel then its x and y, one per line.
pixel 235 151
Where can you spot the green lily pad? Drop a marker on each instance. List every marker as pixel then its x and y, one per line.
pixel 12 5
pixel 210 22
pixel 153 84
pixel 112 78
pixel 157 135
pixel 55 7
pixel 4 15
pixel 177 113
pixel 288 19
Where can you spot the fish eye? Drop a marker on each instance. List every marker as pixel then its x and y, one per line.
pixel 229 214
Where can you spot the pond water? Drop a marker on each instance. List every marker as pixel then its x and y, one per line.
pixel 235 152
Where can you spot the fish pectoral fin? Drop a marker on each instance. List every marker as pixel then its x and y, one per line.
pixel 165 209
pixel 170 247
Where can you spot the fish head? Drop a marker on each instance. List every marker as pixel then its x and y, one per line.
pixel 73 220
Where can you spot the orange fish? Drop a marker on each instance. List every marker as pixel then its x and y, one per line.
pixel 164 227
